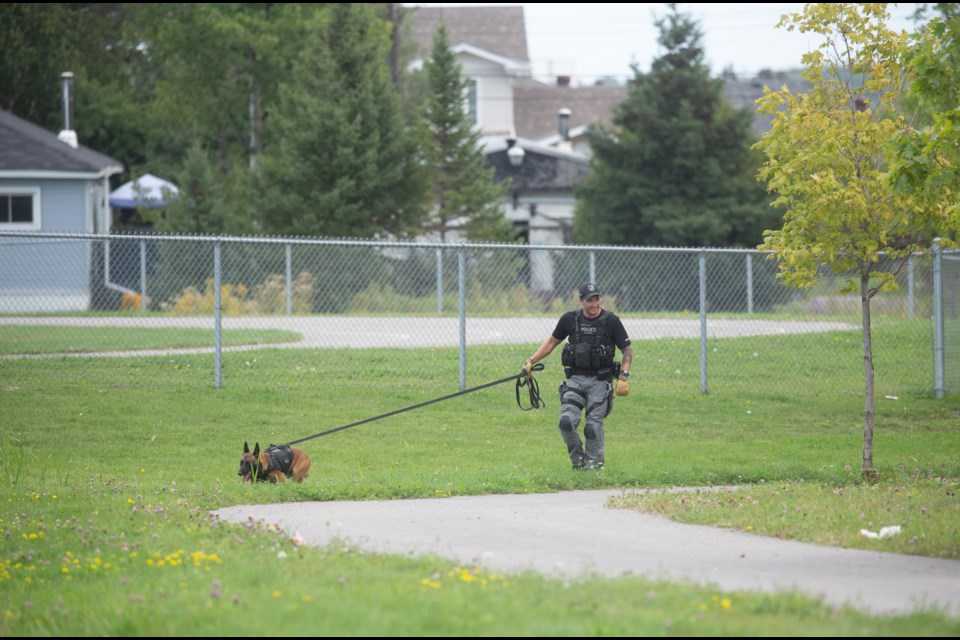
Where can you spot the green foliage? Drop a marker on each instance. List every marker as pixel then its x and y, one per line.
pixel 829 160
pixel 826 514
pixel 464 191
pixel 183 91
pixel 828 157
pixel 209 201
pixel 928 158
pixel 676 168
pixel 343 163
pixel 215 70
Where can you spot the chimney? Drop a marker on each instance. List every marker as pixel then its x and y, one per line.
pixel 68 135
pixel 563 123
pixel 563 81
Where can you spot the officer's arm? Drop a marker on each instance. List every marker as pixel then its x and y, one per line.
pixel 627 359
pixel 545 349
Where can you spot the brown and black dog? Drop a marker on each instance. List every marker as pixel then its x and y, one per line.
pixel 276 464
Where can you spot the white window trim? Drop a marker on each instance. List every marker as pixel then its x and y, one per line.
pixel 478 124
pixel 37 223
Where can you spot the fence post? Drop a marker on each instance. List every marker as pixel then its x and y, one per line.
pixel 439 281
pixel 703 323
pixel 288 250
pixel 593 267
pixel 750 283
pixel 217 318
pixel 938 359
pixel 143 275
pixel 910 307
pixel 462 315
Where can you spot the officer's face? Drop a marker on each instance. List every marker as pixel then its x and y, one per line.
pixel 591 305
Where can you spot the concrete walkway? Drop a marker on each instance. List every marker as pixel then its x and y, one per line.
pixel 575 534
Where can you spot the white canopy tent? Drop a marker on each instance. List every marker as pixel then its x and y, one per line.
pixel 148 191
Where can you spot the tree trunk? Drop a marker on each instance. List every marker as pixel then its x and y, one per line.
pixel 870 404
pixel 394 17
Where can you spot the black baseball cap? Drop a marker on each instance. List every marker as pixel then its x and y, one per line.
pixel 588 291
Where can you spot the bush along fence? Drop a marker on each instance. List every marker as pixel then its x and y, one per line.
pixel 413 294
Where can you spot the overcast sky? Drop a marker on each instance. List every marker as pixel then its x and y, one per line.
pixel 588 41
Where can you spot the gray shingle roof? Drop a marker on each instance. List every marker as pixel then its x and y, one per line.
pixel 499 30
pixel 535 106
pixel 26 147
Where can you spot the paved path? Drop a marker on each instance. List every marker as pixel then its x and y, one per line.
pixel 575 534
pixel 337 332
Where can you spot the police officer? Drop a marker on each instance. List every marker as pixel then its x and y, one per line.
pixel 592 374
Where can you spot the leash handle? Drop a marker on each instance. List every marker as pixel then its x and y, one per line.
pixel 517 377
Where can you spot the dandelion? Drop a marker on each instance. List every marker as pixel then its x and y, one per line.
pixel 430 584
pixel 726 603
pixel 276 594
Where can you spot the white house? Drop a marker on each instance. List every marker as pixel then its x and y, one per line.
pixel 543 124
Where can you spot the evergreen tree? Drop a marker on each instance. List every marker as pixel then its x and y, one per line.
pixel 342 162
pixel 677 167
pixel 464 190
pixel 209 201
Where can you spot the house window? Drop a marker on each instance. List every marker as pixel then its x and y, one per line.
pixel 19 209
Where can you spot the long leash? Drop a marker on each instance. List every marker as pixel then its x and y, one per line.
pixel 522 380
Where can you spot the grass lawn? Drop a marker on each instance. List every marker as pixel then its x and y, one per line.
pixel 108 469
pixel 926 509
pixel 35 339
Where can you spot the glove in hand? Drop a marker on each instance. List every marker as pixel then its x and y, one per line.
pixel 622 387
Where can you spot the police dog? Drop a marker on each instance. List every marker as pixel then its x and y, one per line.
pixel 276 464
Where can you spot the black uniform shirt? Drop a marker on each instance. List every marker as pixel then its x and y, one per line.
pixel 568 326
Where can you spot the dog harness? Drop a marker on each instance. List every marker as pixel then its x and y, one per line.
pixel 281 458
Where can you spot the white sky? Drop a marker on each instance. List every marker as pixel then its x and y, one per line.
pixel 588 41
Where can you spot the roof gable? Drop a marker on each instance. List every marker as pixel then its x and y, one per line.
pixel 26 147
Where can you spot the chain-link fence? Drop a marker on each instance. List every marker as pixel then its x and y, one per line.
pixel 700 318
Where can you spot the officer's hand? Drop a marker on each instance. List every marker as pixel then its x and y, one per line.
pixel 622 387
pixel 527 368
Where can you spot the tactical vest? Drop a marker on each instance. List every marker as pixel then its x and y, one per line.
pixel 590 348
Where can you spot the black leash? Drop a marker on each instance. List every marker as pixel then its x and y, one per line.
pixel 522 380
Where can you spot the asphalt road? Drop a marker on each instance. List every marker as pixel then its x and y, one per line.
pixel 575 534
pixel 321 332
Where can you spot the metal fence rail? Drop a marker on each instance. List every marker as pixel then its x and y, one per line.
pixel 465 296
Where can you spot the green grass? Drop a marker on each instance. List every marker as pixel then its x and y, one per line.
pixel 35 339
pixel 137 451
pixel 927 510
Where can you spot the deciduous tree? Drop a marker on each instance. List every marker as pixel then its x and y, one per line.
pixel 829 161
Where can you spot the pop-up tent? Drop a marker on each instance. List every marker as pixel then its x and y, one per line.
pixel 147 191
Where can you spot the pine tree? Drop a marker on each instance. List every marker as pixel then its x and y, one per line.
pixel 463 187
pixel 677 168
pixel 342 161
